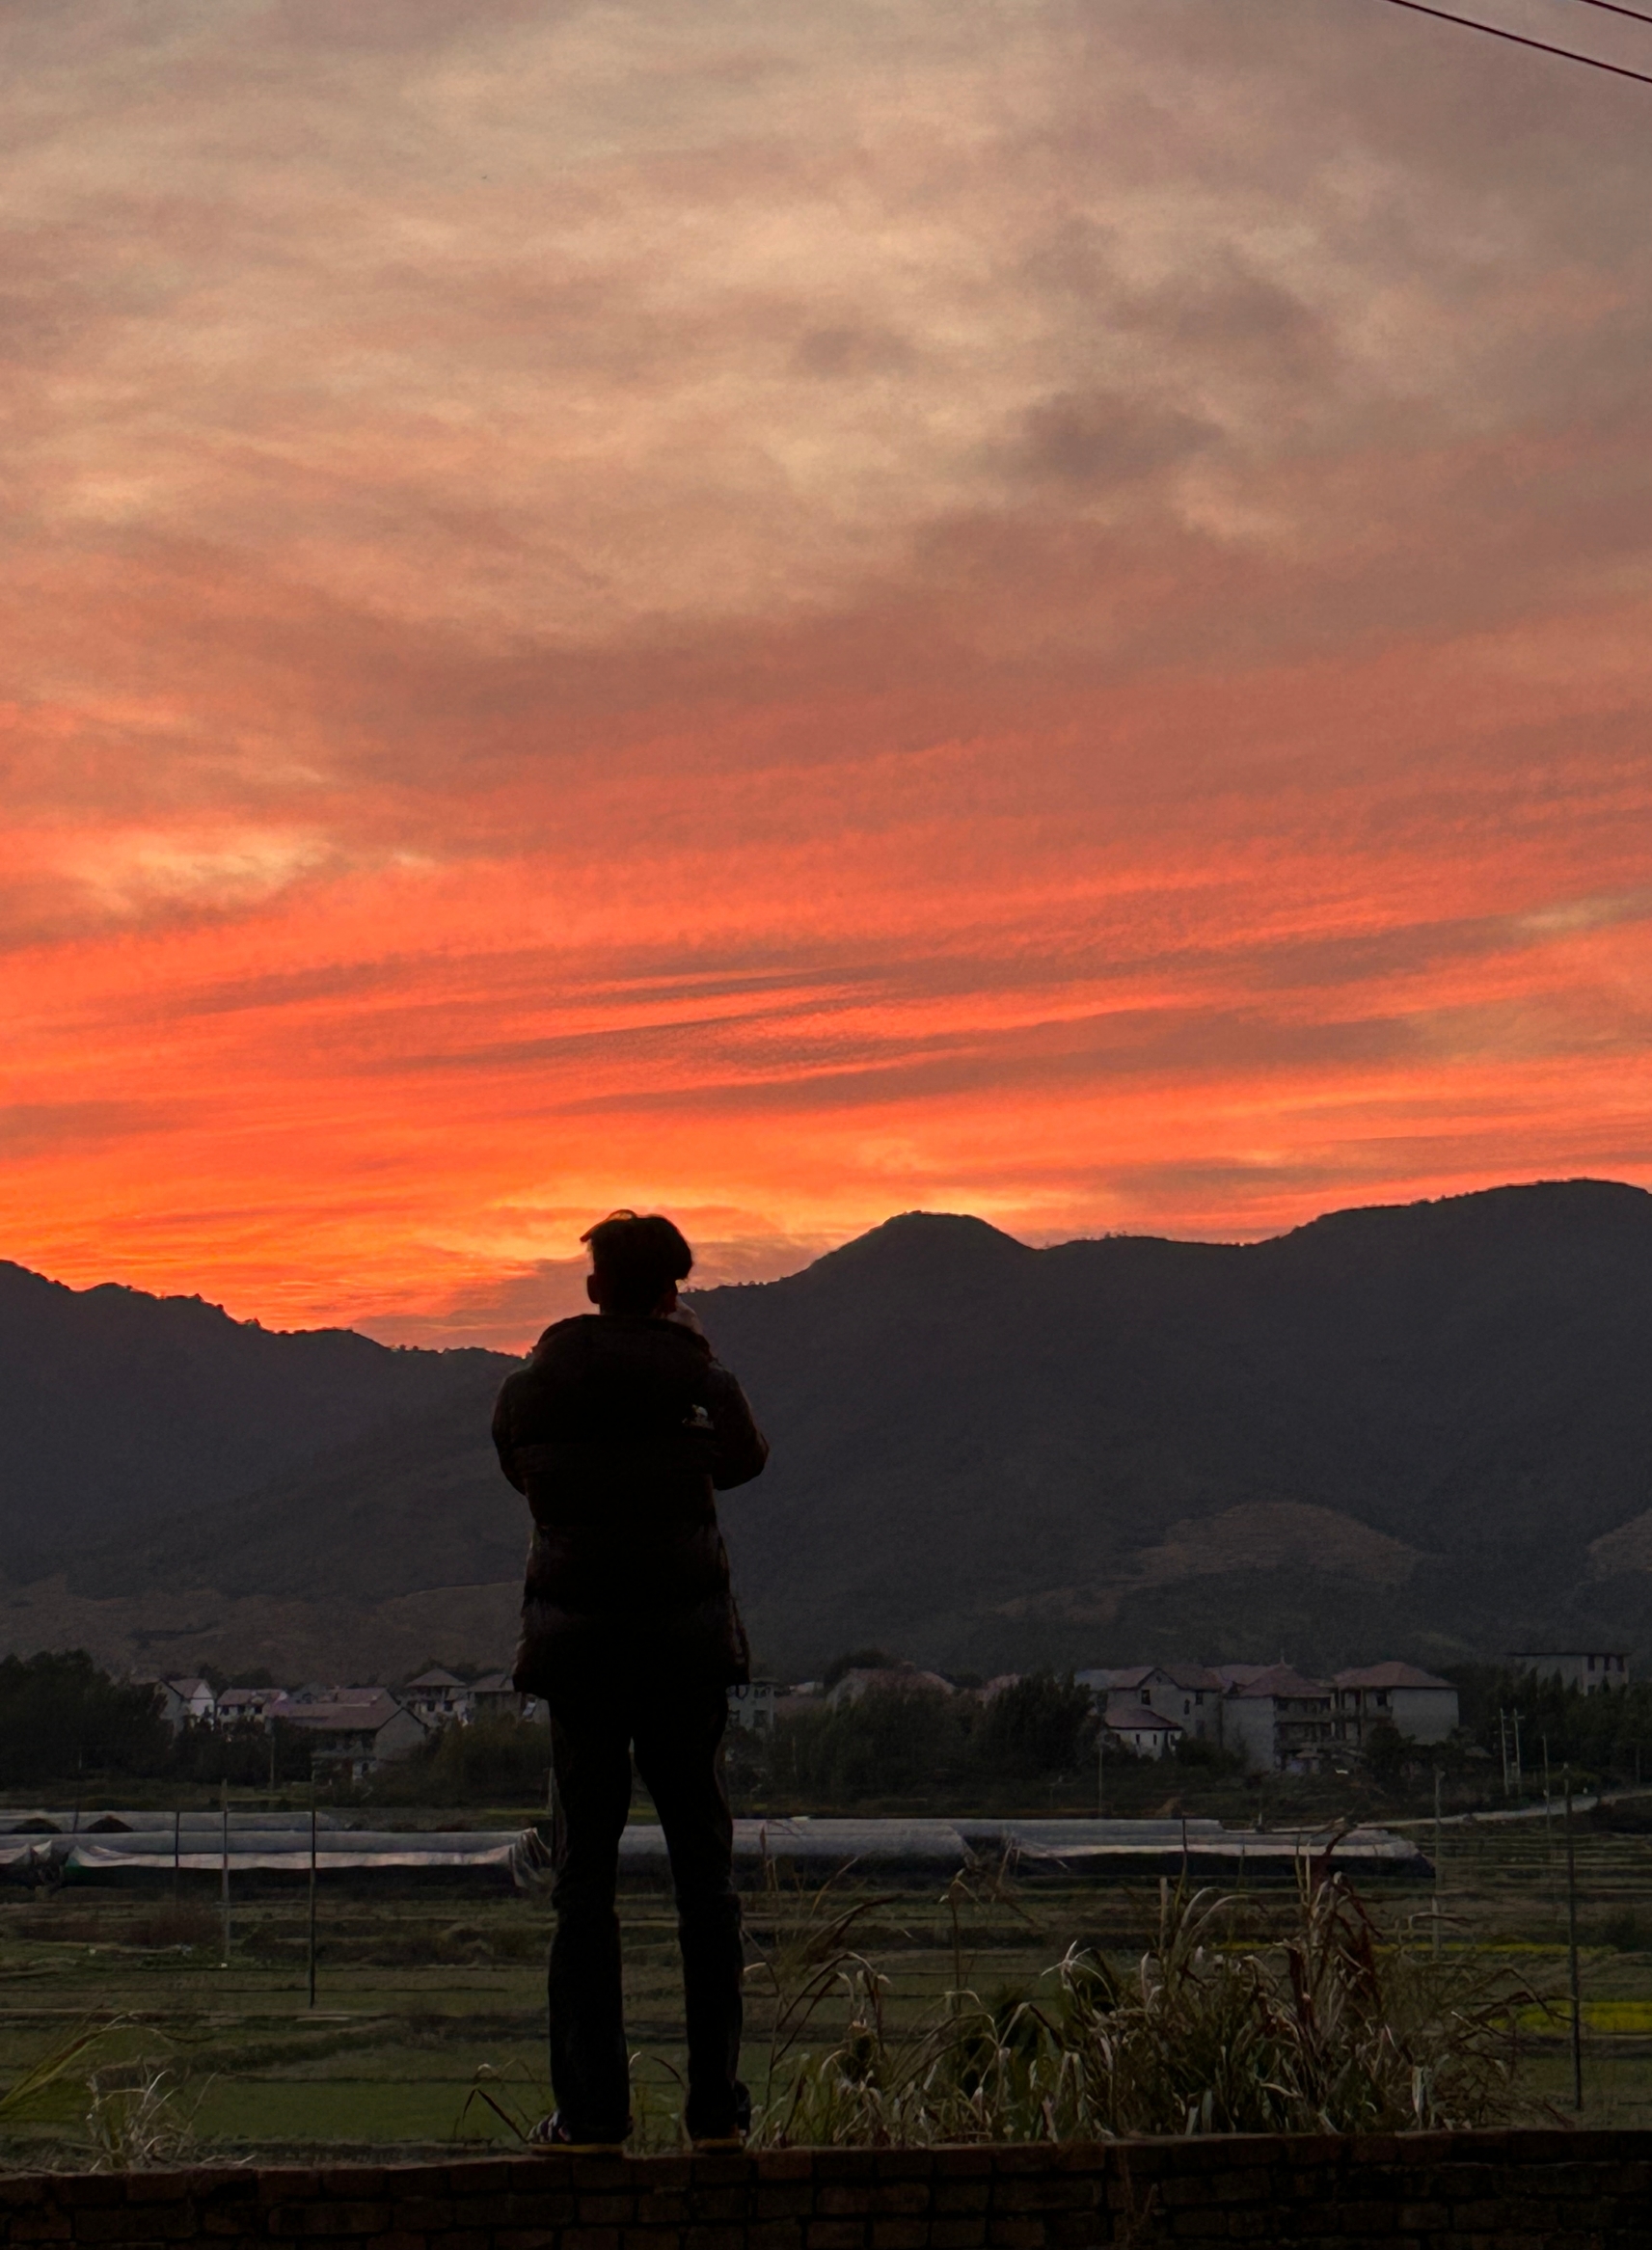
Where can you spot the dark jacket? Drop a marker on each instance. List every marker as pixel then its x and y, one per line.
pixel 619 1430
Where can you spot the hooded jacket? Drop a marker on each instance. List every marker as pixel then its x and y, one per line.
pixel 619 1430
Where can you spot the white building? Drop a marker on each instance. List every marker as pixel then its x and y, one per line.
pixel 1188 1693
pixel 353 1730
pixel 1276 1719
pixel 753 1705
pixel 1584 1670
pixel 495 1695
pixel 1141 1728
pixel 1421 1706
pixel 184 1700
pixel 437 1697
pixel 247 1706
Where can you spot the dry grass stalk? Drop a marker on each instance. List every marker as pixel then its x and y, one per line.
pixel 1337 2027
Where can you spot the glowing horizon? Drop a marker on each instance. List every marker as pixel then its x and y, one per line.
pixel 513 1312
pixel 791 616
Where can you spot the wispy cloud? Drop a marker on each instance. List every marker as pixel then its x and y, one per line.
pixel 795 612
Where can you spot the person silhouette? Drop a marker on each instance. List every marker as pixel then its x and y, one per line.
pixel 619 1430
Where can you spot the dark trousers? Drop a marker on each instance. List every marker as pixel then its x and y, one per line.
pixel 676 1728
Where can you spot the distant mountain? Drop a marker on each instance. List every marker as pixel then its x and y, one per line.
pixel 1422 1430
pixel 118 1408
pixel 1425 1429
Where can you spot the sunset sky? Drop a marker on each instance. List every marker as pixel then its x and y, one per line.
pixel 790 613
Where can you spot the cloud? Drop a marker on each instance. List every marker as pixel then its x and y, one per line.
pixel 1101 440
pixel 796 612
pixel 75 1129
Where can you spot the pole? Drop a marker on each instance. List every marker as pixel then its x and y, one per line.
pixel 223 1870
pixel 176 1851
pixel 1436 1862
pixel 1503 1746
pixel 313 1889
pixel 1572 1951
pixel 1519 1776
pixel 1102 1774
pixel 1548 1815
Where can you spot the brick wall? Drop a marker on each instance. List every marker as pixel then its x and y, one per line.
pixel 1429 2191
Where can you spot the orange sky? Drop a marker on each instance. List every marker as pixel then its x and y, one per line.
pixel 788 613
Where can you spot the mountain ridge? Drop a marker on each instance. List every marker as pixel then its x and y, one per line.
pixel 1410 1429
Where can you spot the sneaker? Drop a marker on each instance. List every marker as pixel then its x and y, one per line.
pixel 551 2137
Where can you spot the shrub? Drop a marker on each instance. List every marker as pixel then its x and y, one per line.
pixel 62 1715
pixel 1038 1726
pixel 495 1760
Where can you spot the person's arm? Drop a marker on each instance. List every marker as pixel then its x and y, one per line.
pixel 739 1449
pixel 504 1435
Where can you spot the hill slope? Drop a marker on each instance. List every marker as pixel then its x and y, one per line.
pixel 117 1407
pixel 1424 1430
pixel 992 1452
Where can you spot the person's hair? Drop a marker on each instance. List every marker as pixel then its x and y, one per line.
pixel 635 1259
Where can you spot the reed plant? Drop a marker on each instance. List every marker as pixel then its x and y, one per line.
pixel 1332 2024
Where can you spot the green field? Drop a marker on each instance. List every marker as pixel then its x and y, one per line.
pixel 425 1995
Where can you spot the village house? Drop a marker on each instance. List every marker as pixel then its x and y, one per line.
pixel 184 1701
pixel 1271 1715
pixel 1419 1705
pixel 1138 1727
pixel 1190 1694
pixel 247 1706
pixel 1274 1717
pixel 752 1705
pixel 495 1695
pixel 437 1698
pixel 352 1730
pixel 1590 1671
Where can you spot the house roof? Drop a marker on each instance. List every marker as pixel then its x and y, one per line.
pixel 187 1689
pixel 1240 1675
pixel 1281 1683
pixel 1388 1676
pixel 1132 1675
pixel 1139 1719
pixel 436 1677
pixel 352 1711
pixel 493 1683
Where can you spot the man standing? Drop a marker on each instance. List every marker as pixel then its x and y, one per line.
pixel 619 1430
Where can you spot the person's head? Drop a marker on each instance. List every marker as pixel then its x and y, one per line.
pixel 636 1263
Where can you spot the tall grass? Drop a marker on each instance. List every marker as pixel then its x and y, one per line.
pixel 65 2065
pixel 1334 2025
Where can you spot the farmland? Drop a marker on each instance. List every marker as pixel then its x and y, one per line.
pixel 426 1998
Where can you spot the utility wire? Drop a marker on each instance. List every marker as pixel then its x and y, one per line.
pixel 1517 38
pixel 1612 7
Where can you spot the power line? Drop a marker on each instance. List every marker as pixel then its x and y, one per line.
pixel 1517 38
pixel 1612 7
